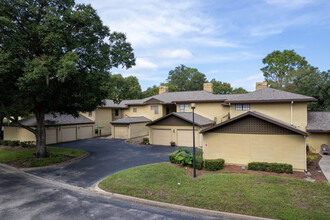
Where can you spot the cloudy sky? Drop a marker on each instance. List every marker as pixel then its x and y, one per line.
pixel 223 39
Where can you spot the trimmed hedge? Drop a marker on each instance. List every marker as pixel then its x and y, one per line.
pixel 146 141
pixel 5 142
pixel 271 167
pixel 1 142
pixel 199 162
pixel 28 144
pixel 13 143
pixel 215 164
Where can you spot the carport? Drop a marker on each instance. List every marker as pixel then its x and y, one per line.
pixel 130 127
pixel 177 127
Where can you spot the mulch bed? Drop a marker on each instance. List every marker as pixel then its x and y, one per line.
pixel 314 169
pixel 13 148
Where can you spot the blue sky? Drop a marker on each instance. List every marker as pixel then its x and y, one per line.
pixel 224 39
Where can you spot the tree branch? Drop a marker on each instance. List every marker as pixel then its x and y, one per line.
pixel 19 124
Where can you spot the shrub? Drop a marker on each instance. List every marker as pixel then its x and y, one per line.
pixel 13 143
pixel 199 162
pixel 146 141
pixel 1 142
pixel 215 164
pixel 5 142
pixel 28 144
pixel 310 158
pixel 182 156
pixel 271 167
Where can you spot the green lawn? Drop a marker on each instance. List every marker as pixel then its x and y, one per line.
pixel 266 196
pixel 24 158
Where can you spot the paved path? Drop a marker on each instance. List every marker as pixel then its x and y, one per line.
pixel 325 166
pixel 24 196
pixel 107 157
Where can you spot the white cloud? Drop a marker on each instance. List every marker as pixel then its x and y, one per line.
pixel 214 42
pixel 248 82
pixel 175 54
pixel 143 64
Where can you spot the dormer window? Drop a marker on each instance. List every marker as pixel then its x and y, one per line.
pixel 242 107
pixel 155 108
pixel 90 114
pixel 183 107
pixel 134 110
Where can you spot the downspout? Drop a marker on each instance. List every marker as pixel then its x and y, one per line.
pixel 291 113
pixel 229 111
pixel 305 153
pixel 129 131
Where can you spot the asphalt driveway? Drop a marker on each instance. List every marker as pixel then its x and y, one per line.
pixel 107 156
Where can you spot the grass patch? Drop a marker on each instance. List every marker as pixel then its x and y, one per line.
pixel 266 196
pixel 24 158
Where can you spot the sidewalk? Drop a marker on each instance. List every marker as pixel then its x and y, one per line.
pixel 325 166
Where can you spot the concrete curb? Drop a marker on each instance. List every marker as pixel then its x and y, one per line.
pixel 174 207
pixel 58 164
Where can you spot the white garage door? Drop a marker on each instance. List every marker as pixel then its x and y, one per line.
pixel 51 136
pixel 185 138
pixel 86 132
pixel 69 134
pixel 121 132
pixel 161 136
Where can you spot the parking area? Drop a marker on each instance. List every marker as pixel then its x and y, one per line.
pixel 107 156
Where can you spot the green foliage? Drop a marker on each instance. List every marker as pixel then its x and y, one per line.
pixel 13 143
pixel 28 144
pixel 146 141
pixel 55 56
pixel 1 142
pixel 310 158
pixel 122 88
pixel 6 142
pixel 239 90
pixel 280 65
pixel 151 91
pixel 199 162
pixel 225 88
pixel 184 78
pixel 271 167
pixel 181 156
pixel 214 164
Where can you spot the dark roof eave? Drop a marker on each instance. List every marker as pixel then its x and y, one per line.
pixel 159 119
pixel 271 100
pixel 258 116
pixel 127 123
pixel 197 101
pixel 318 131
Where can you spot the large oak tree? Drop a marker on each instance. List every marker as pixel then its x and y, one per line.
pixel 54 57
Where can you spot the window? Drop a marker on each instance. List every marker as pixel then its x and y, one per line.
pixel 96 129
pixel 116 112
pixel 183 107
pixel 155 108
pixel 242 107
pixel 90 114
pixel 134 110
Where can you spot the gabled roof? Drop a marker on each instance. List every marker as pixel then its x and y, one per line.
pixel 269 95
pixel 318 122
pixel 57 119
pixel 186 116
pixel 131 120
pixel 260 116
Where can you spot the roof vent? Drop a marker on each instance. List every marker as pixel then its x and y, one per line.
pixel 208 87
pixel 261 85
pixel 163 89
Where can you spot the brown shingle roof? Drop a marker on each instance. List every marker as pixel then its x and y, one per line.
pixel 186 116
pixel 269 95
pixel 260 116
pixel 131 120
pixel 57 119
pixel 318 122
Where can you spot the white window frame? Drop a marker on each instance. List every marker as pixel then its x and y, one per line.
pixel 155 108
pixel 90 114
pixel 242 107
pixel 183 107
pixel 134 109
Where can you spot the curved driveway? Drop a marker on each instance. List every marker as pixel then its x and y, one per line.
pixel 107 156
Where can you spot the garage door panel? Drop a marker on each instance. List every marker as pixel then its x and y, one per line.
pixel 69 134
pixel 121 132
pixel 161 136
pixel 185 138
pixel 51 136
pixel 86 132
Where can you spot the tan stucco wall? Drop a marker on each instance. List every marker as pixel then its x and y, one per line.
pixel 174 136
pixel 245 148
pixel 138 130
pixel 144 110
pixel 86 114
pixel 212 111
pixel 21 134
pixel 103 117
pixel 279 111
pixel 317 139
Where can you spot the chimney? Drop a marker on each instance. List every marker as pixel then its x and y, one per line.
pixel 208 87
pixel 261 85
pixel 163 89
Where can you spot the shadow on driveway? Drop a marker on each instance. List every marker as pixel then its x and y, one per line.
pixel 107 156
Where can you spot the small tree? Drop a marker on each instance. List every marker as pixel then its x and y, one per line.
pixel 55 56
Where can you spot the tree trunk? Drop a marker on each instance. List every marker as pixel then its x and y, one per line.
pixel 1 121
pixel 41 134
